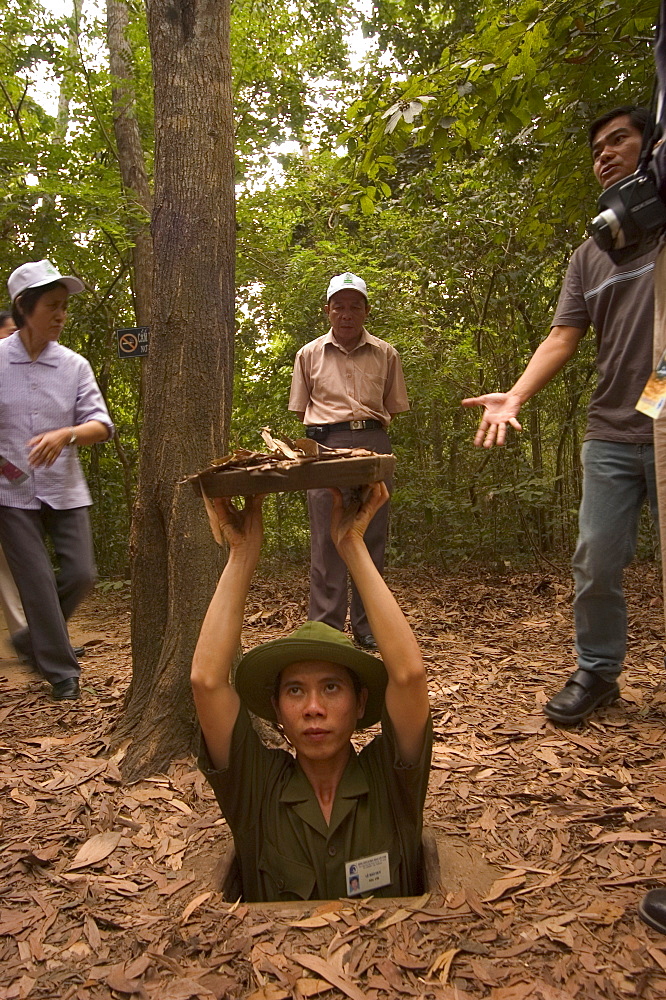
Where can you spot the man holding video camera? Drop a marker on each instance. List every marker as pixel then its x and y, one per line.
pixel 615 296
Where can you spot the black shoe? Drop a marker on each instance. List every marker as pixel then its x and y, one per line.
pixel 67 690
pixel 652 909
pixel 582 693
pixel 366 641
pixel 79 651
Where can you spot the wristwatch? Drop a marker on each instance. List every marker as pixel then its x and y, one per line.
pixel 72 439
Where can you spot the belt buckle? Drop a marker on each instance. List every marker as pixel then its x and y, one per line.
pixel 357 425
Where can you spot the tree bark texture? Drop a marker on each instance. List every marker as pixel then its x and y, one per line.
pixel 131 157
pixel 188 378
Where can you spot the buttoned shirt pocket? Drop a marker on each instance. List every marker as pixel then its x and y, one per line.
pixel 283 878
pixel 371 393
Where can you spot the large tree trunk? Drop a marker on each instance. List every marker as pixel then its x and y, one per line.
pixel 130 157
pixel 188 378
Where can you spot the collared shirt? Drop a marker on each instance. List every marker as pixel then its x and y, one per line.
pixel 57 390
pixel 284 846
pixel 618 300
pixel 331 384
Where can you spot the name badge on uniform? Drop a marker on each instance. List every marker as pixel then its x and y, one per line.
pixel 367 874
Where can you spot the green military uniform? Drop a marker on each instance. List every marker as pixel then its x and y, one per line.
pixel 285 849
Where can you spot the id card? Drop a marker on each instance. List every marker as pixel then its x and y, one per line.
pixel 653 397
pixel 367 874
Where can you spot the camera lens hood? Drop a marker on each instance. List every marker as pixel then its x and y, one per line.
pixel 606 230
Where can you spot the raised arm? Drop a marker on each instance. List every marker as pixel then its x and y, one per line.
pixel 407 691
pixel 216 700
pixel 501 408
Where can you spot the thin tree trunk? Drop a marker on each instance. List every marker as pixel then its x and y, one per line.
pixel 66 87
pixel 47 215
pixel 188 375
pixel 130 157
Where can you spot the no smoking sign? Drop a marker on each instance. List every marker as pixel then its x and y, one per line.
pixel 133 342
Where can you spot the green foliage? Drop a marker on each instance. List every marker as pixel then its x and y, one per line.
pixel 451 171
pixel 503 81
pixel 61 190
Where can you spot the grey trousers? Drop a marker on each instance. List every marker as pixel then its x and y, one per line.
pixel 49 600
pixel 328 573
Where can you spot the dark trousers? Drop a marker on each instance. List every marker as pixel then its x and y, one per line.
pixel 49 600
pixel 328 573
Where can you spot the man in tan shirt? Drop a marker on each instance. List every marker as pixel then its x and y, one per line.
pixel 346 387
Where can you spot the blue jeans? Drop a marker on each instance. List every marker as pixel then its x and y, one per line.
pixel 617 479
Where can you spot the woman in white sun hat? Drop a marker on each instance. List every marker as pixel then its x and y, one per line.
pixel 50 404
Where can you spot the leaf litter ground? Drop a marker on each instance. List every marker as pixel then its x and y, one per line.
pixel 549 836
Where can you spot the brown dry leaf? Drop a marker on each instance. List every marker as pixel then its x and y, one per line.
pixel 632 695
pixel 327 972
pixel 119 982
pixel 486 972
pixel 628 837
pixel 269 992
pixel 548 824
pixel 408 961
pixel 519 991
pixel 548 756
pixel 659 792
pixel 395 918
pixel 658 956
pixel 187 989
pixel 192 905
pixel 172 887
pixel 309 923
pixel 502 885
pixel 91 931
pixel 548 992
pixel 20 989
pixel 442 964
pixel 96 849
pixel 603 911
pixel 26 800
pixel 137 968
pixel 306 987
pixel 474 902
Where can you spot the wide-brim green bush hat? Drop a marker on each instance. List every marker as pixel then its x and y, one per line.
pixel 258 669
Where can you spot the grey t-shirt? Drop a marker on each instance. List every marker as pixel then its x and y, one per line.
pixel 618 301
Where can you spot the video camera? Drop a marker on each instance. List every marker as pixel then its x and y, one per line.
pixel 632 212
pixel 628 211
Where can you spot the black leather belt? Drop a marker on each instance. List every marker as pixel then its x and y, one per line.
pixel 318 431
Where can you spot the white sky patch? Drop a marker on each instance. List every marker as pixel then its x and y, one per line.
pixel 45 88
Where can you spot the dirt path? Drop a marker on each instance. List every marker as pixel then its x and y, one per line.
pixel 551 836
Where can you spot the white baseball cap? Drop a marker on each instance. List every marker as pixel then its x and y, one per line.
pixel 347 280
pixel 41 272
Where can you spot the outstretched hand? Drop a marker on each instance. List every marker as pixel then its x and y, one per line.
pixel 350 523
pixel 241 528
pixel 501 409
